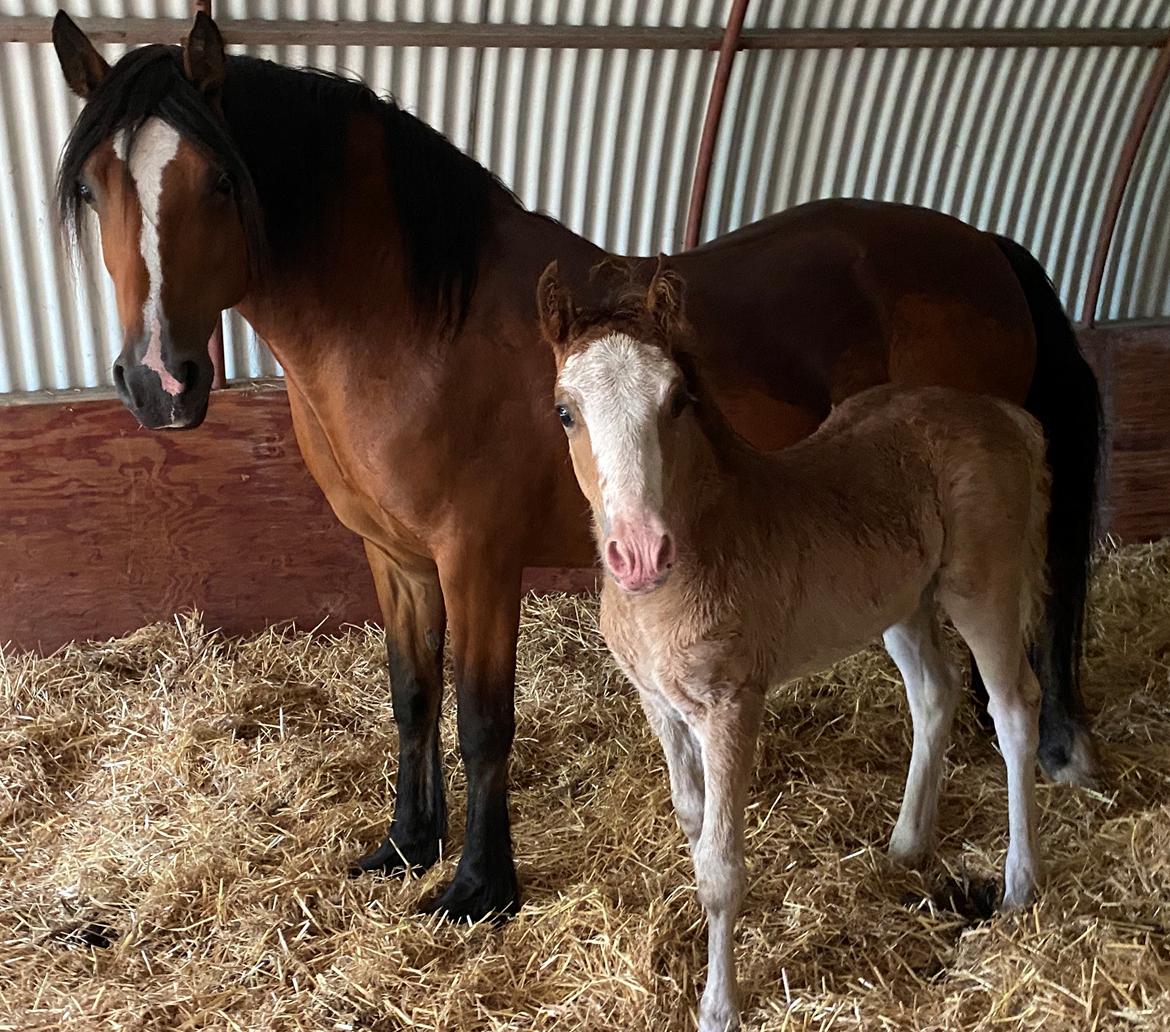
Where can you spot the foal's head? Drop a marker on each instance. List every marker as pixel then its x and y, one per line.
pixel 623 400
pixel 150 154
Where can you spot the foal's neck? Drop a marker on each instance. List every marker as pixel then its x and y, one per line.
pixel 715 490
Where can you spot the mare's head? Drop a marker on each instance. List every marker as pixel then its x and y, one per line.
pixel 151 155
pixel 624 402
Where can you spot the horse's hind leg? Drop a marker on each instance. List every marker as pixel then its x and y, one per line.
pixel 933 692
pixel 992 630
pixel 683 762
pixel 412 608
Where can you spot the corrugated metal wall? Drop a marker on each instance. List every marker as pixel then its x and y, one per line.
pixel 1022 141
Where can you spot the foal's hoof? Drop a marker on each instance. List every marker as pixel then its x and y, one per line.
pixel 719 1017
pixel 395 861
pixel 475 898
pixel 908 850
pixel 1018 895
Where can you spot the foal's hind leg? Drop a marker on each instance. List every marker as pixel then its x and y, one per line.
pixel 993 633
pixel 683 762
pixel 933 692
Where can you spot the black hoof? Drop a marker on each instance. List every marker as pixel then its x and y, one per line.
pixel 475 898
pixel 395 860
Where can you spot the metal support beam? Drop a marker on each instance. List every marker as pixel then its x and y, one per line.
pixel 727 52
pixel 1125 162
pixel 321 32
pixel 215 344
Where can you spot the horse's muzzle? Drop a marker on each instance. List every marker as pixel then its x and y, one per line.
pixel 182 407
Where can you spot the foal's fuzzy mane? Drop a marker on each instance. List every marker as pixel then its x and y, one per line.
pixel 625 310
pixel 282 142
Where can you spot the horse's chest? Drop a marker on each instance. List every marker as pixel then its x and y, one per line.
pixel 333 468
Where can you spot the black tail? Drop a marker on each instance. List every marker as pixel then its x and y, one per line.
pixel 1064 398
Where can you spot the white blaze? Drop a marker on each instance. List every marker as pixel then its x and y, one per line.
pixel 155 146
pixel 621 386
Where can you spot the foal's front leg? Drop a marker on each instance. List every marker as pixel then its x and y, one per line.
pixel 727 734
pixel 684 762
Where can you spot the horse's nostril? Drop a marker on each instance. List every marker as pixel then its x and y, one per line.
pixel 188 375
pixel 125 391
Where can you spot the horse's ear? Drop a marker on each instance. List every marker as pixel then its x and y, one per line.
pixel 203 56
pixel 664 298
pixel 555 307
pixel 85 69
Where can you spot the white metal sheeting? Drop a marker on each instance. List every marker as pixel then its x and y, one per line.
pixel 1023 141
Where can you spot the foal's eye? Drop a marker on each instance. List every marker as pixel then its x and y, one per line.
pixel 223 185
pixel 85 193
pixel 565 416
pixel 679 401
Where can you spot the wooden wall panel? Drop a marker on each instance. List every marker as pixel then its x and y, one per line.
pixel 105 527
pixel 1137 378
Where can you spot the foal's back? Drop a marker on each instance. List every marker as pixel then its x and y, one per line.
pixel 899 490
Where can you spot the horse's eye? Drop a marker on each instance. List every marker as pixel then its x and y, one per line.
pixel 85 193
pixel 223 185
pixel 682 398
pixel 565 416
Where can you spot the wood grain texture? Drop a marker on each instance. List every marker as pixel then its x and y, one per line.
pixel 105 527
pixel 1138 472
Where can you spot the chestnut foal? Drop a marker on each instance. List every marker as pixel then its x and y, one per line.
pixel 730 570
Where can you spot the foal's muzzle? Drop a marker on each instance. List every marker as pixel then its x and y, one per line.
pixel 639 554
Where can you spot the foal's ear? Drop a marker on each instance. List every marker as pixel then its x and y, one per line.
pixel 555 307
pixel 84 68
pixel 203 56
pixel 664 298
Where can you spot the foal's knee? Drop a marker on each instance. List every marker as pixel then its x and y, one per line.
pixel 719 878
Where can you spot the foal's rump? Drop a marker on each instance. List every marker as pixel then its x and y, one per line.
pixel 992 482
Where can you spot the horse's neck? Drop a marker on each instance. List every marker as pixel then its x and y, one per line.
pixel 351 285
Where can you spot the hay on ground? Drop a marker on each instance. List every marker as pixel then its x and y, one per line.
pixel 177 810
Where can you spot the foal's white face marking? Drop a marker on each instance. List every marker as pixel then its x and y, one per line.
pixel 155 146
pixel 621 386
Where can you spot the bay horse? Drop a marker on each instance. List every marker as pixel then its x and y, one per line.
pixel 392 276
pixel 730 570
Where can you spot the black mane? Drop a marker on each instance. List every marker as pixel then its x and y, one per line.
pixel 283 147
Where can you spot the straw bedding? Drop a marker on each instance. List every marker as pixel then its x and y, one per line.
pixel 177 810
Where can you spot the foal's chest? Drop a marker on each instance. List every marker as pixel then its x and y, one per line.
pixel 663 650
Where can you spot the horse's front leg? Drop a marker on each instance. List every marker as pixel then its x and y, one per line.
pixel 412 609
pixel 727 735
pixel 483 606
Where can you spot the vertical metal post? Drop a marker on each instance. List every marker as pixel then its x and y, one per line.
pixel 1125 162
pixel 727 52
pixel 215 344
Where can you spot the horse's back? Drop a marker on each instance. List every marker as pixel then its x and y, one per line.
pixel 809 306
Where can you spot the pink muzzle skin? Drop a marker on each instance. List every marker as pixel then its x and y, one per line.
pixel 639 554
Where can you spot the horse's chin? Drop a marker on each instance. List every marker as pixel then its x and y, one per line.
pixel 187 418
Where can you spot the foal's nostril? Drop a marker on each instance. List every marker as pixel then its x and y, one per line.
pixel 665 557
pixel 616 558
